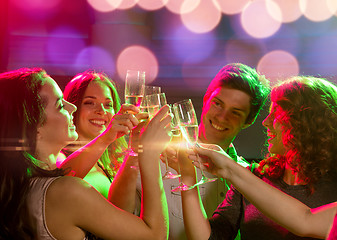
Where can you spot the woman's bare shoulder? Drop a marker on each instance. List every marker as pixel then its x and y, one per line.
pixel 71 190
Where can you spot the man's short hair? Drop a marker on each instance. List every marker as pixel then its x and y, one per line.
pixel 244 78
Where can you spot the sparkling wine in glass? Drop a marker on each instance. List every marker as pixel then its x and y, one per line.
pixel 189 128
pixel 149 90
pixel 154 103
pixel 134 87
pixel 134 93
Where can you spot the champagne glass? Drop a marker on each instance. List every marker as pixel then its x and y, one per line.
pixel 149 90
pixel 154 103
pixel 175 135
pixel 134 93
pixel 188 124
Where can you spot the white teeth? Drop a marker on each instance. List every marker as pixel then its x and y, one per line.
pixel 218 127
pixel 98 122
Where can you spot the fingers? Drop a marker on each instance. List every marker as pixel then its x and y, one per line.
pixel 142 116
pixel 128 108
pixel 163 117
pixel 128 120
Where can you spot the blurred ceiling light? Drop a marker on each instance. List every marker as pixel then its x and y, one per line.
pixel 231 7
pixel 278 65
pixel 137 58
pixel 318 10
pixel 104 5
pixel 182 6
pixel 290 10
pixel 151 5
pixel 257 21
pixel 204 18
pixel 127 4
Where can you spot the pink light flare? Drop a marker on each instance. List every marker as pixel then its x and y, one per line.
pixel 104 5
pixel 204 18
pixel 231 7
pixel 137 58
pixel 318 10
pixel 182 6
pixel 278 65
pixel 290 10
pixel 151 5
pixel 257 21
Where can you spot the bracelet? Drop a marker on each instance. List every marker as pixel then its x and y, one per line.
pixel 140 148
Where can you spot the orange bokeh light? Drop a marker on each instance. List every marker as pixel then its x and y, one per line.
pixel 137 58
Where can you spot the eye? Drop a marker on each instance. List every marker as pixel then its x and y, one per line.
pixel 216 104
pixel 108 105
pixel 236 113
pixel 88 103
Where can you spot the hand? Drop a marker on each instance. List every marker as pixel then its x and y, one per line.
pixel 136 132
pixel 121 123
pixel 172 157
pixel 157 133
pixel 212 157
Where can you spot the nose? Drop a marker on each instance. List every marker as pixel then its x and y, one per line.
pixel 223 114
pixel 266 121
pixel 71 108
pixel 100 109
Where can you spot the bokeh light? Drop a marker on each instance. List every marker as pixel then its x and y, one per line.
pixel 137 58
pixel 104 5
pixel 182 6
pixel 126 4
pixel 151 5
pixel 260 25
pixel 278 65
pixel 230 6
pixel 204 18
pixel 95 58
pixel 290 10
pixel 318 10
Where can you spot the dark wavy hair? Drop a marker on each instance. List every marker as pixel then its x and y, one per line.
pixel 22 109
pixel 74 93
pixel 244 78
pixel 308 110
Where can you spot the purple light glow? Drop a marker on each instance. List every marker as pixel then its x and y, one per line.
pixel 63 46
pixel 95 58
pixel 191 47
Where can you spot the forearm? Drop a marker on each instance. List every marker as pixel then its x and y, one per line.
pixel 280 207
pixel 195 218
pixel 123 188
pixel 82 160
pixel 154 210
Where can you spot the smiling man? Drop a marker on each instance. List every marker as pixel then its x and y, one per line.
pixel 232 102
